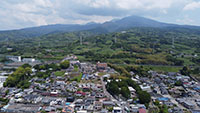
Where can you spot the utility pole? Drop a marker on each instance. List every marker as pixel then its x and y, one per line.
pixel 81 40
pixel 39 44
pixel 7 42
pixel 115 39
pixel 153 47
pixel 154 43
pixel 173 42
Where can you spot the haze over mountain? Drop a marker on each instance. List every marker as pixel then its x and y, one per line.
pixel 110 26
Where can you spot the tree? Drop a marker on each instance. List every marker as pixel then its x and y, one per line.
pixel 105 79
pixel 65 64
pixel 55 67
pixel 133 84
pixel 144 97
pixel 26 65
pixel 113 88
pixel 157 103
pixel 122 83
pixel 196 70
pixel 19 77
pixel 185 71
pixel 164 109
pixel 125 92
pixel 178 83
pixel 42 67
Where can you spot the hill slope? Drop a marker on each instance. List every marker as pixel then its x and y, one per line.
pixel 143 46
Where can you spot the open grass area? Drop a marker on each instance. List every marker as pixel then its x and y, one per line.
pixel 59 73
pixel 77 78
pixel 187 61
pixel 81 58
pixel 164 68
pixel 76 69
pixel 101 73
pixel 116 76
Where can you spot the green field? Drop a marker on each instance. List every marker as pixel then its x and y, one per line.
pixel 59 73
pixel 164 68
pixel 77 78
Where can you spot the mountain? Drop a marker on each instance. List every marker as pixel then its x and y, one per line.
pixel 133 21
pixel 110 26
pixel 43 30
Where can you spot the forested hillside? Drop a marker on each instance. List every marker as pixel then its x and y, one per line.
pixel 144 46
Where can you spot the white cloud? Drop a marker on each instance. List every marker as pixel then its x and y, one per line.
pixel 27 13
pixel 192 6
pixel 128 4
pixel 100 3
pixel 43 3
pixel 186 20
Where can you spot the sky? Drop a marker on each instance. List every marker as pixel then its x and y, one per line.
pixel 17 14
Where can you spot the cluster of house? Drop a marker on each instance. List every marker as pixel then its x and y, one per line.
pixel 176 91
pixel 61 94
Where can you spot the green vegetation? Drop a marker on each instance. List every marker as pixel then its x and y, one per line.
pixel 121 87
pixel 120 69
pixel 178 83
pixel 4 101
pixel 53 67
pixel 19 78
pixel 59 73
pixel 138 46
pixel 65 64
pixel 77 78
pixel 185 71
pixel 113 88
pixel 76 69
pixel 163 109
pixel 144 97
pixel 164 68
pixel 125 92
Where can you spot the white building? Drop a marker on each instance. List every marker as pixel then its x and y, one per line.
pixel 2 80
pixel 5 73
pixel 15 58
pixel 145 88
pixel 82 111
pixel 117 110
pixel 28 60
pixel 132 90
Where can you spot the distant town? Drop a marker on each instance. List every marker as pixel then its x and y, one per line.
pixel 28 85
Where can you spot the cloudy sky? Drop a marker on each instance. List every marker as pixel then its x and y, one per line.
pixel 16 14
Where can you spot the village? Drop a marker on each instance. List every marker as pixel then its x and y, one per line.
pixel 82 88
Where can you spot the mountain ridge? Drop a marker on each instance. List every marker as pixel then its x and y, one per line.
pixel 109 26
